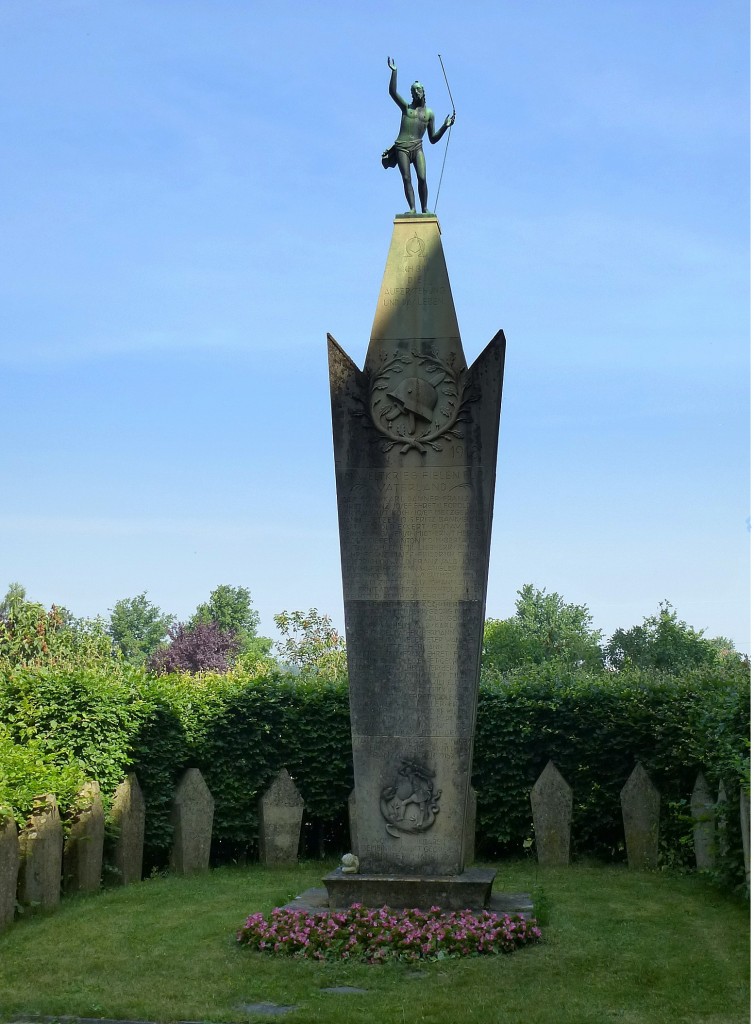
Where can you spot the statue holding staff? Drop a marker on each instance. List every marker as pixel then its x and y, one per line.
pixel 416 119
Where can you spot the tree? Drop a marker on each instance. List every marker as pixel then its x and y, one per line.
pixel 311 644
pixel 203 647
pixel 30 635
pixel 138 627
pixel 667 643
pixel 13 601
pixel 544 628
pixel 231 610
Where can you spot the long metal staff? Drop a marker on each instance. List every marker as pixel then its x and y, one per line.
pixel 447 143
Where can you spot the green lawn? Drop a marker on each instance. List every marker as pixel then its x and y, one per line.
pixel 618 946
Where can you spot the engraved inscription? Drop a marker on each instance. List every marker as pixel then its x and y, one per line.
pixel 436 510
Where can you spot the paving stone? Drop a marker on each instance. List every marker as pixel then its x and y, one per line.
pixel 266 1009
pixel 345 990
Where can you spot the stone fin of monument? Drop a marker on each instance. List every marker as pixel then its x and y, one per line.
pixel 415 438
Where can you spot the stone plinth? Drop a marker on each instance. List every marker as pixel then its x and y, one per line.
pixel 128 813
pixel 317 901
pixel 703 813
pixel 415 438
pixel 640 802
pixel 552 807
pixel 192 815
pixel 280 809
pixel 9 860
pixel 82 853
pixel 41 850
pixel 469 890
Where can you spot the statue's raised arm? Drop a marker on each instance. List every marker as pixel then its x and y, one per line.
pixel 393 86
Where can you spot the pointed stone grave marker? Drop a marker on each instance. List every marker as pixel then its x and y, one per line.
pixel 281 809
pixel 82 853
pixel 192 816
pixel 721 820
pixel 746 834
pixel 703 813
pixel 640 802
pixel 9 861
pixel 129 813
pixel 552 809
pixel 41 849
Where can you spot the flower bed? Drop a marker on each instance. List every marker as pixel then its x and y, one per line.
pixel 374 936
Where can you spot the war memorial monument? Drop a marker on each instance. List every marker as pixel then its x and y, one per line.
pixel 415 437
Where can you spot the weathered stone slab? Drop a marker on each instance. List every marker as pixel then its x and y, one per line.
pixel 746 834
pixel 266 1009
pixel 469 890
pixel 552 807
pixel 280 809
pixel 9 861
pixel 640 802
pixel 82 853
pixel 41 850
pixel 469 828
pixel 128 813
pixel 352 823
pixel 192 815
pixel 415 437
pixel 721 820
pixel 703 814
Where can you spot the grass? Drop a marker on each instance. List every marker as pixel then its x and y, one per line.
pixel 618 946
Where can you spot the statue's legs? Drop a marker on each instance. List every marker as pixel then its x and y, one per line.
pixel 404 166
pixel 421 174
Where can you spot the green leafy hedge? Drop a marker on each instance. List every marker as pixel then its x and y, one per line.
pixel 595 728
pixel 60 727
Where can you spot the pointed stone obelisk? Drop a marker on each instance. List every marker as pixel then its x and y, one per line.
pixel 415 436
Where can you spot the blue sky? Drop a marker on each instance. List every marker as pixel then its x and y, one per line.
pixel 192 196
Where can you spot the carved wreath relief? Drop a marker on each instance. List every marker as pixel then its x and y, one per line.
pixel 410 804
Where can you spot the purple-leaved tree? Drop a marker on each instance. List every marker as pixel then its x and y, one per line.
pixel 203 647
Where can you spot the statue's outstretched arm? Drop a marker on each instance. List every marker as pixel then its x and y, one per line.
pixel 435 136
pixel 392 88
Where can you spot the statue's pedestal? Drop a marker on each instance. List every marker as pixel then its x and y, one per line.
pixel 471 890
pixel 415 440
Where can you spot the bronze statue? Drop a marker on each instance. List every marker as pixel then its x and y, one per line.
pixel 416 119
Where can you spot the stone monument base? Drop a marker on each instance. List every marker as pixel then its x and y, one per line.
pixel 470 890
pixel 510 904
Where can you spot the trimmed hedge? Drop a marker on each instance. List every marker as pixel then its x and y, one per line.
pixel 240 731
pixel 595 727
